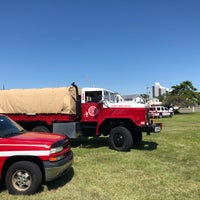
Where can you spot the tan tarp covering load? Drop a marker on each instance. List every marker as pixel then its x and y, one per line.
pixel 45 100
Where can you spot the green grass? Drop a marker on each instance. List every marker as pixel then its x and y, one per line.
pixel 165 166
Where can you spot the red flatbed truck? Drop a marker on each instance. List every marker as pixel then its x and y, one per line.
pixel 89 112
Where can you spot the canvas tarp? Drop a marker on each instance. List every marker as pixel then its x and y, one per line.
pixel 45 100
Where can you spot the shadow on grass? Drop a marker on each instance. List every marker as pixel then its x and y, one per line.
pixel 103 141
pixel 147 146
pixel 85 142
pixel 2 186
pixel 184 113
pixel 63 180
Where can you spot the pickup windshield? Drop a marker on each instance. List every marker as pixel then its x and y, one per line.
pixel 9 128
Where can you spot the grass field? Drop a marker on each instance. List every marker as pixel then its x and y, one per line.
pixel 165 166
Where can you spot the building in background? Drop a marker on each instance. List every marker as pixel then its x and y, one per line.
pixel 137 98
pixel 158 90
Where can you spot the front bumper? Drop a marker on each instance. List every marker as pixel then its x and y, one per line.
pixel 155 128
pixel 155 114
pixel 54 170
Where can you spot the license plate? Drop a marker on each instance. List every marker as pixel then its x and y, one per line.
pixel 157 129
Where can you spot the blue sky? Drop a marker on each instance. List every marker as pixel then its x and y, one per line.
pixel 123 45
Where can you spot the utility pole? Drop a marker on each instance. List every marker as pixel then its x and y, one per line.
pixel 148 92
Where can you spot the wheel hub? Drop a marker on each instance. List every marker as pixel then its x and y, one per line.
pixel 21 180
pixel 118 140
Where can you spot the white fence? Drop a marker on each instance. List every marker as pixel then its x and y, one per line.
pixel 189 110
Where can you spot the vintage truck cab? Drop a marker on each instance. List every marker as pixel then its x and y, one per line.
pixel 124 122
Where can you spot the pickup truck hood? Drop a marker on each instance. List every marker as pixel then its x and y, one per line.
pixel 30 140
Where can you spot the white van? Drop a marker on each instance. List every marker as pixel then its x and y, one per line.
pixel 160 111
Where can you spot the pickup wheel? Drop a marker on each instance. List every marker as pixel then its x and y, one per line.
pixel 23 178
pixel 120 139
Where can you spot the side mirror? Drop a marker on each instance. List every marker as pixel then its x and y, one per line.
pixel 101 101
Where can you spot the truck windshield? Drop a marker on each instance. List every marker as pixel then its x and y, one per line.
pixel 9 128
pixel 100 94
pixel 109 96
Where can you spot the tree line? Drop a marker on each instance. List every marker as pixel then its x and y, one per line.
pixel 182 95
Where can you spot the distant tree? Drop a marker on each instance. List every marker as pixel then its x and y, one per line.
pixel 185 87
pixel 198 98
pixel 174 100
pixel 161 98
pixel 182 95
pixel 145 96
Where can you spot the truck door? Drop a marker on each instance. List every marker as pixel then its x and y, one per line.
pixel 90 107
pixel 90 112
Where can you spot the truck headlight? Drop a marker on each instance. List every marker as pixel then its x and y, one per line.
pixel 56 149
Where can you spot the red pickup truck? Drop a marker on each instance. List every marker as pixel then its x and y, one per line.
pixel 28 159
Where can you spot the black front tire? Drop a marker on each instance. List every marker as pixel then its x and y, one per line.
pixel 23 178
pixel 120 139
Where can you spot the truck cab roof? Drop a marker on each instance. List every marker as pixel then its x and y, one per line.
pixel 97 94
pixel 110 98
